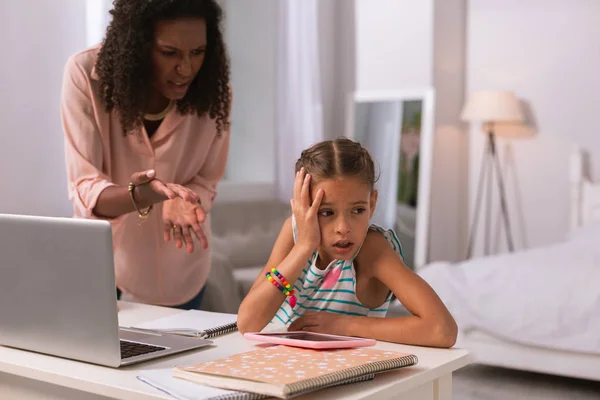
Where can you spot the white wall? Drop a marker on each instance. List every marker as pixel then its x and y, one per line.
pixel 449 181
pixel 36 46
pixel 547 52
pixel 250 35
pixel 97 18
pixel 329 61
pixel 394 40
pixel 338 63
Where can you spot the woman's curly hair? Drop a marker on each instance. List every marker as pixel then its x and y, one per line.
pixel 124 63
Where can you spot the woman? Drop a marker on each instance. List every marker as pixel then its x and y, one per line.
pixel 146 123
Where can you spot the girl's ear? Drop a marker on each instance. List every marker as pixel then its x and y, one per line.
pixel 374 194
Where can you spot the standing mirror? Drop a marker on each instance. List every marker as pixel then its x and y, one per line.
pixel 397 129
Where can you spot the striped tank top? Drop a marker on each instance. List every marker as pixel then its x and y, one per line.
pixel 332 289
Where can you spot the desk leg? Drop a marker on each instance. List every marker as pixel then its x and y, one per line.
pixel 442 387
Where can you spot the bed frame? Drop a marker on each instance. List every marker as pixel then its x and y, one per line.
pixel 491 350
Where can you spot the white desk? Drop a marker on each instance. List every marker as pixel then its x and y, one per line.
pixel 25 375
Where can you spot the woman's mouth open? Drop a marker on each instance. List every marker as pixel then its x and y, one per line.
pixel 180 87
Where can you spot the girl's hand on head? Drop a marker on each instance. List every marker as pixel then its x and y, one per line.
pixel 321 322
pixel 150 190
pixel 180 219
pixel 305 213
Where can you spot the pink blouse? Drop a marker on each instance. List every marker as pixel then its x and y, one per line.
pixel 184 150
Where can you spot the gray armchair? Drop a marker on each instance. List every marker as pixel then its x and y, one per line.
pixel 243 237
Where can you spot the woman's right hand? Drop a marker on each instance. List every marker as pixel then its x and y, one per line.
pixel 305 213
pixel 150 190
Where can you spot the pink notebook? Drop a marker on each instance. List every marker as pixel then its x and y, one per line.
pixel 285 372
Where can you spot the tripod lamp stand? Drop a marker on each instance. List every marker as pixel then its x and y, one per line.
pixel 492 109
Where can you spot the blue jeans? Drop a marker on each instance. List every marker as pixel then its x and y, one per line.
pixel 193 304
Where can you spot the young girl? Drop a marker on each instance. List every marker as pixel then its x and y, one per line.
pixel 330 271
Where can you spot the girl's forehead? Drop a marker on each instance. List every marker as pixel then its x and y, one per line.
pixel 343 189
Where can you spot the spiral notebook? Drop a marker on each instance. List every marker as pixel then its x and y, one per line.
pixel 286 372
pixel 181 389
pixel 195 323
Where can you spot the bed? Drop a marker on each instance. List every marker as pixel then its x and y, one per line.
pixel 538 309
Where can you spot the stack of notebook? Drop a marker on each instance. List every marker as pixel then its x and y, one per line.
pixel 275 371
pixel 285 372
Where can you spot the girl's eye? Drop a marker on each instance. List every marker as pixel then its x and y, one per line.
pixel 198 52
pixel 359 210
pixel 325 213
pixel 168 53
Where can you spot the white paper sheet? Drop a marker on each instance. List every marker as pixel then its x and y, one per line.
pixel 163 380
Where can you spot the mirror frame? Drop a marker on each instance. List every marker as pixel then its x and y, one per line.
pixel 427 96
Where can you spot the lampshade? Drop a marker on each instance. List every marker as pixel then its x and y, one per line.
pixel 513 130
pixel 492 106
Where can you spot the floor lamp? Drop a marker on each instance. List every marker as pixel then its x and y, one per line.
pixel 491 108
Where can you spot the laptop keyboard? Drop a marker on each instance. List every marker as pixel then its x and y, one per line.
pixel 132 349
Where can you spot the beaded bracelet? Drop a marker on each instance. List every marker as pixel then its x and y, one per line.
pixel 285 287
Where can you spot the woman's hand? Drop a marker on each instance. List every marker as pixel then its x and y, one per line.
pixel 115 201
pixel 181 218
pixel 150 190
pixel 305 213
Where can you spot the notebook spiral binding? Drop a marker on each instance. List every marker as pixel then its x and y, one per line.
pixel 355 374
pixel 219 330
pixel 256 396
pixel 241 396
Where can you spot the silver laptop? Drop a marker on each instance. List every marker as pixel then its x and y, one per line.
pixel 58 296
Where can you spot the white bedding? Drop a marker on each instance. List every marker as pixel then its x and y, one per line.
pixel 548 297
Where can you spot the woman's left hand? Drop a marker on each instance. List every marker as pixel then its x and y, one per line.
pixel 321 322
pixel 181 219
